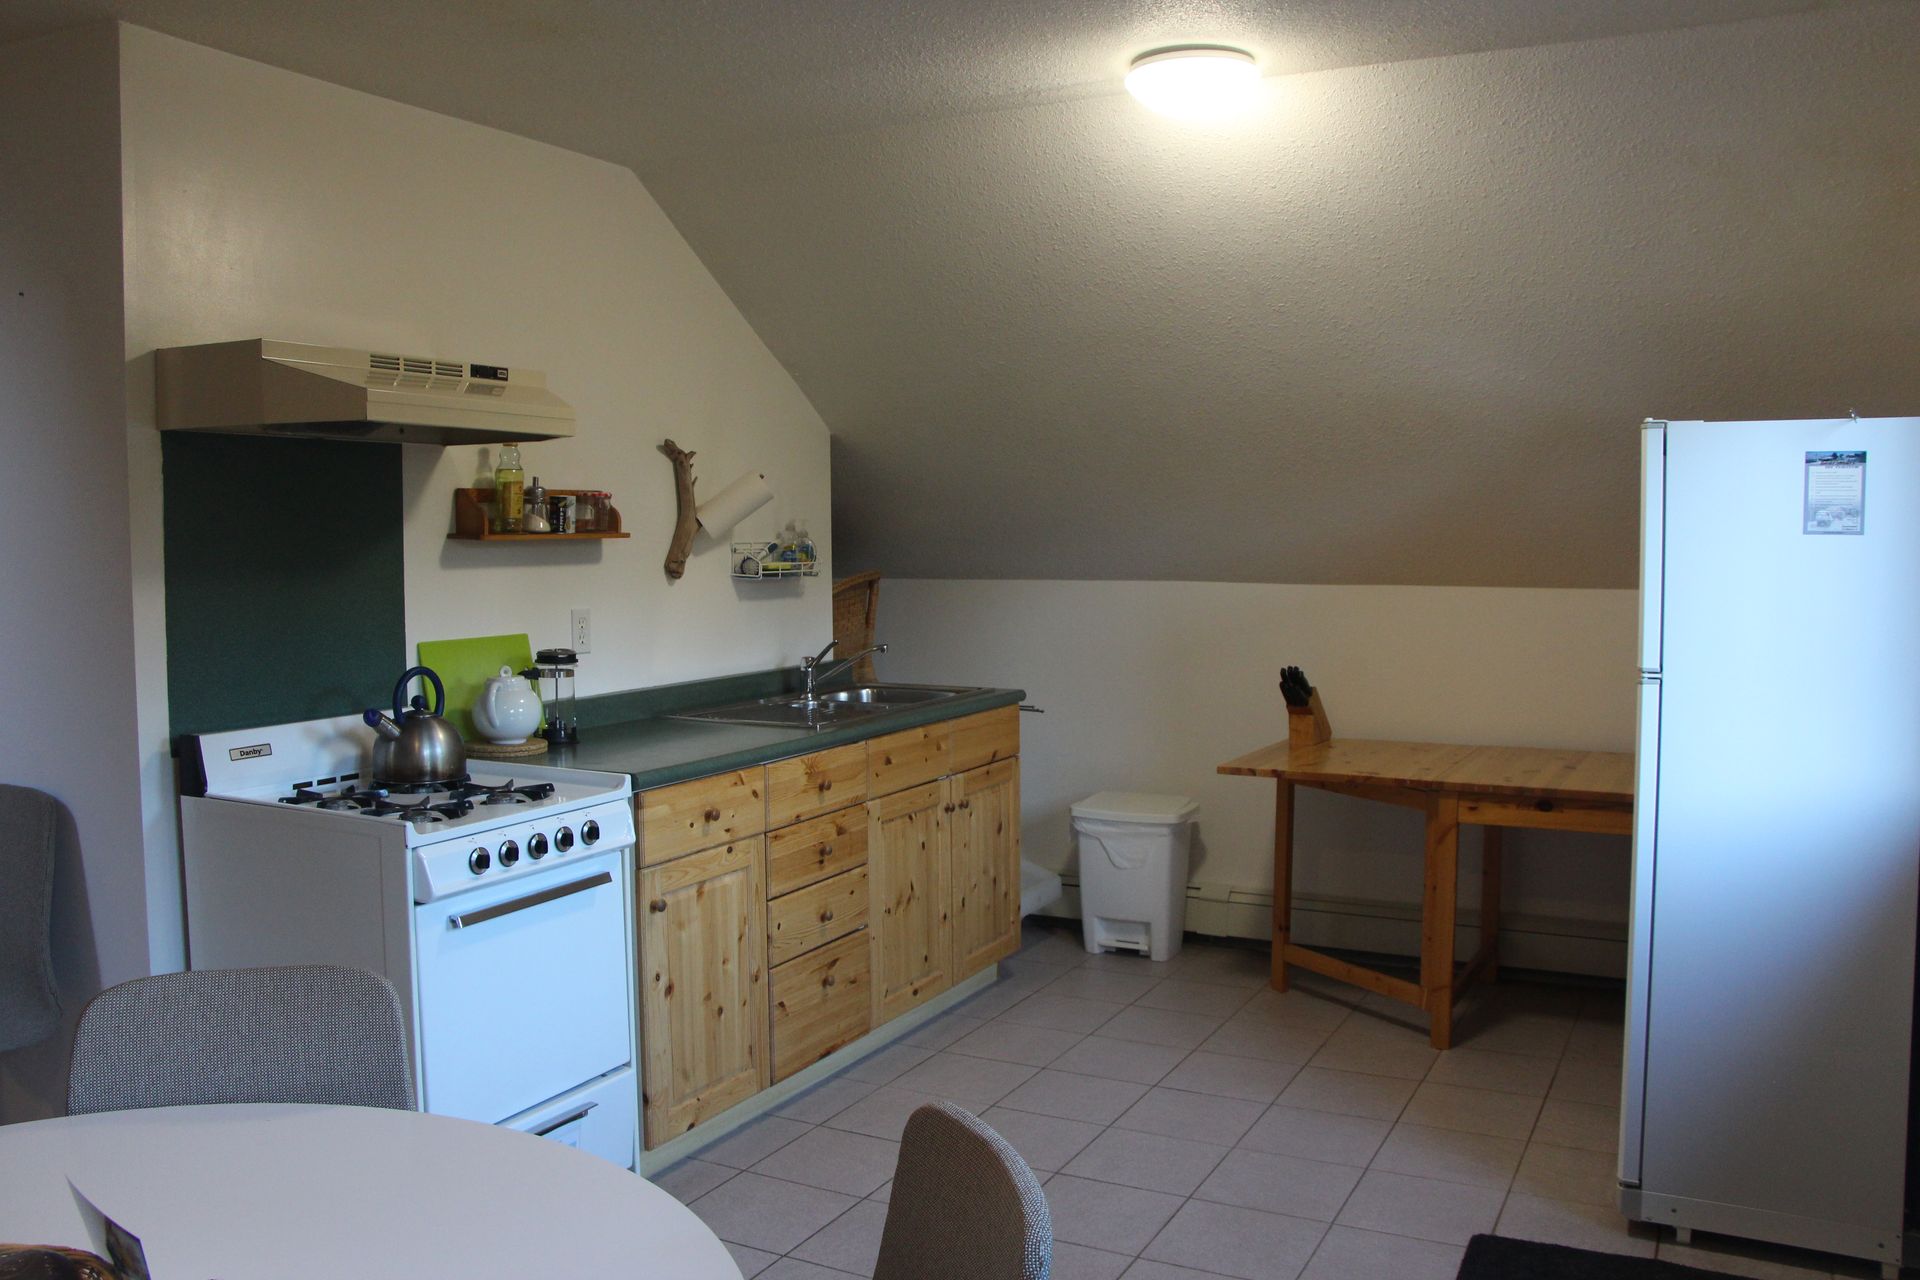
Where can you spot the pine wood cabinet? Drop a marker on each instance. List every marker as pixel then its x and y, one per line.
pixel 909 865
pixel 703 995
pixel 888 871
pixel 985 893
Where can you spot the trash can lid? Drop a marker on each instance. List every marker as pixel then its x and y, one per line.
pixel 1136 806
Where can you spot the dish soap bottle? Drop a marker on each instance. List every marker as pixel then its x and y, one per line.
pixel 507 496
pixel 803 542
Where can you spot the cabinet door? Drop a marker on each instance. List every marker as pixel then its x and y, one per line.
pixel 703 1001
pixel 908 874
pixel 986 866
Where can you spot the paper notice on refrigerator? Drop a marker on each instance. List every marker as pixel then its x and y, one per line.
pixel 1836 495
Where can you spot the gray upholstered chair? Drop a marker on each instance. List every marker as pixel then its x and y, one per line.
pixel 964 1205
pixel 309 1033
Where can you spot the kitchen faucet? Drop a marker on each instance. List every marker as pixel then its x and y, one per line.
pixel 810 667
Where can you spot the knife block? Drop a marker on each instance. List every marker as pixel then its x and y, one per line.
pixel 1308 726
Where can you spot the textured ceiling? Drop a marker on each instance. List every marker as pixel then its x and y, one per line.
pixel 1397 326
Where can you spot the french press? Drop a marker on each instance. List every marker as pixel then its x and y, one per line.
pixel 552 673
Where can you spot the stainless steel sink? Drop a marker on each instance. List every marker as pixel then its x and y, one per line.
pixel 833 707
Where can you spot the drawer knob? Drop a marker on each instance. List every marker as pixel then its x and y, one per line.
pixel 826 851
pixel 713 815
pixel 826 917
pixel 966 804
pixel 827 981
pixel 948 809
pixel 827 785
pixel 657 905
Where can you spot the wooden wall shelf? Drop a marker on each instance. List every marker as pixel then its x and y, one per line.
pixel 470 521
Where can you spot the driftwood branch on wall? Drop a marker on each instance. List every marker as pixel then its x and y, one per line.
pixel 688 522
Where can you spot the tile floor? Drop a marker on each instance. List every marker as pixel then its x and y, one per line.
pixel 1188 1122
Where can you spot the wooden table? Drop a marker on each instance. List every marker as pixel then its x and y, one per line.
pixel 304 1191
pixel 1492 787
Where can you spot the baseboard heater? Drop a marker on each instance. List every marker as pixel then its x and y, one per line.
pixel 1554 944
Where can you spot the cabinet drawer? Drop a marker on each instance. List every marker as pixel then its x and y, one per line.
pixel 808 786
pixel 819 913
pixel 689 816
pixel 985 738
pixel 820 1002
pixel 909 758
pixel 807 852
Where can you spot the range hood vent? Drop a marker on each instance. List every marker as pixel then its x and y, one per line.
pixel 263 387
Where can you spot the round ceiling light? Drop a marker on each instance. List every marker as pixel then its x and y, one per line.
pixel 1195 82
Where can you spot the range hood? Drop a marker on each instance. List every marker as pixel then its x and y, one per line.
pixel 263 387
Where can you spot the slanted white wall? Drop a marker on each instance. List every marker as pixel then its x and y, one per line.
pixel 1149 685
pixel 259 203
pixel 66 626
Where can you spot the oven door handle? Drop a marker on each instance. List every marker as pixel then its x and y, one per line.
pixel 541 898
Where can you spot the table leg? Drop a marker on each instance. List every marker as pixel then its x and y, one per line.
pixel 1437 916
pixel 1492 847
pixel 1282 880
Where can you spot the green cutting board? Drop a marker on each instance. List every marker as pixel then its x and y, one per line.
pixel 465 666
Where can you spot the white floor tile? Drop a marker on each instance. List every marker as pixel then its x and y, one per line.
pixel 1232 1241
pixel 1427 1209
pixel 1317 1135
pixel 768 1213
pixel 1200 1117
pixel 1225 1076
pixel 1105 1215
pixel 1146 1160
pixel 1120 1060
pixel 1075 1097
pixel 1582 1226
pixel 850 1243
pixel 851 1163
pixel 1450 1106
pixel 1280 1184
pixel 1351 1254
pixel 1349 1093
pixel 1475 1158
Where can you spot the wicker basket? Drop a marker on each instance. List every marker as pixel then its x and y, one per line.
pixel 856 602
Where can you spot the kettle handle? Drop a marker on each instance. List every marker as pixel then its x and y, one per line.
pixel 400 691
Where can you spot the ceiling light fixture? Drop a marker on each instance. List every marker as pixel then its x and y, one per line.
pixel 1195 81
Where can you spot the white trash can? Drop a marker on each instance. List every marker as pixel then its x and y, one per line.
pixel 1133 870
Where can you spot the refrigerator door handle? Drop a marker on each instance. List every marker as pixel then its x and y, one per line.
pixel 1646 812
pixel 1653 540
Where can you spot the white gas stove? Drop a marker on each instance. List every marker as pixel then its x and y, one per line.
pixel 499 906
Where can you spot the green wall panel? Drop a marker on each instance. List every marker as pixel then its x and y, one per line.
pixel 285 579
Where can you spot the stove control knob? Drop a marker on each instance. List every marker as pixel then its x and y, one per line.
pixel 590 832
pixel 536 846
pixel 478 861
pixel 563 839
pixel 509 853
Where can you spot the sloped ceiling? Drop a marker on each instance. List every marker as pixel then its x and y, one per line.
pixel 1397 325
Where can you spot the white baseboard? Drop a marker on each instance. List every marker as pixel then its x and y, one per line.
pixel 1595 948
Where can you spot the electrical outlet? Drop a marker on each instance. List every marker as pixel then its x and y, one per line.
pixel 583 631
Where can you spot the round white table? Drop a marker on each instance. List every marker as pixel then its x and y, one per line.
pixel 298 1191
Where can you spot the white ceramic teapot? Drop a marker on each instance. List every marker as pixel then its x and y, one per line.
pixel 507 710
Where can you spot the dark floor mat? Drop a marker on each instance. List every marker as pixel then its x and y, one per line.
pixel 1501 1258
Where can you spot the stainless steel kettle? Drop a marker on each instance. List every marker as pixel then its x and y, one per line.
pixel 415 747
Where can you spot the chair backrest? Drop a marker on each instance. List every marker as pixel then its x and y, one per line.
pixel 964 1205
pixel 308 1033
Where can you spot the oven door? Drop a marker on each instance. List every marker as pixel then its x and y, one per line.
pixel 523 988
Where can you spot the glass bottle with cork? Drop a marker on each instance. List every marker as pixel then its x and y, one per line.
pixel 508 493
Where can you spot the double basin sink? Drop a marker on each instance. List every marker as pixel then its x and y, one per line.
pixel 827 708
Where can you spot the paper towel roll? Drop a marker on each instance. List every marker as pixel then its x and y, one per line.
pixel 734 503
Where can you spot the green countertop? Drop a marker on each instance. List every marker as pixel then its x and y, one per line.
pixel 656 750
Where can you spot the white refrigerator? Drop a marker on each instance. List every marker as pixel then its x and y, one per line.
pixel 1776 860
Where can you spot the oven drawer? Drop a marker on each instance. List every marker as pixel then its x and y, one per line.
pixel 809 852
pixel 817 914
pixel 599 1118
pixel 821 1002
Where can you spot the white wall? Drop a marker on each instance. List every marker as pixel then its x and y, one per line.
pixel 260 203
pixel 1150 685
pixel 66 626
